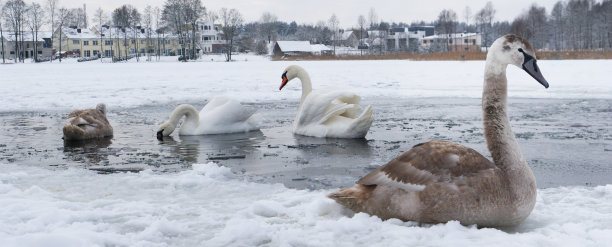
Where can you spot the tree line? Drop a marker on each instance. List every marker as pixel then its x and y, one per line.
pixel 569 25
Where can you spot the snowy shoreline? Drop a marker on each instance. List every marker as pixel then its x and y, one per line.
pixel 208 206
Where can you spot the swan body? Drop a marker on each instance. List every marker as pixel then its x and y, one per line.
pixel 220 116
pixel 87 124
pixel 440 181
pixel 327 112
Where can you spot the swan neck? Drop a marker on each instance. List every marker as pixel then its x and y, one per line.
pixel 190 113
pixel 501 142
pixel 306 84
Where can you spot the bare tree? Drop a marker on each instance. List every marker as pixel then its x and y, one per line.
pixel 361 21
pixel 232 21
pixel 35 22
pixel 51 7
pixel 1 34
pixel 268 21
pixel 484 19
pixel 63 16
pixel 372 18
pixel 174 15
pixel 334 24
pixel 193 13
pixel 101 18
pixel 147 21
pixel 128 18
pixel 158 30
pixel 467 16
pixel 14 12
pixel 447 21
pixel 558 24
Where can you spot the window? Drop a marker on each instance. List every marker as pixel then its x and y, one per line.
pixel 86 42
pixel 87 53
pixel 95 42
pixel 424 41
pixel 108 42
pixel 75 42
pixel 473 42
pixel 39 52
pixel 28 45
pixel 95 53
pixel 133 41
pixel 167 42
pixel 109 53
pixel 142 51
pixel 466 41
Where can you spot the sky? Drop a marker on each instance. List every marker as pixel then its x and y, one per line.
pixel 347 11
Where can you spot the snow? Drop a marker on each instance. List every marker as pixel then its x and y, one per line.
pixel 208 206
pixel 294 46
pixel 69 85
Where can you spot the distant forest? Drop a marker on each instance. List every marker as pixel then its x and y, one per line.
pixel 569 25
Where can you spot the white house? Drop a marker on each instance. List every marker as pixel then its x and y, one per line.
pixel 43 41
pixel 454 41
pixel 210 36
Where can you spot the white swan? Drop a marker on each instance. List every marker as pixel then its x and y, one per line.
pixel 88 124
pixel 220 116
pixel 329 112
pixel 439 181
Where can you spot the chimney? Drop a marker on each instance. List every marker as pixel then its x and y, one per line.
pixel 84 15
pixel 78 30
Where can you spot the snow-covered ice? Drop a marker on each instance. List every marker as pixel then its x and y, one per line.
pixel 207 206
pixel 77 85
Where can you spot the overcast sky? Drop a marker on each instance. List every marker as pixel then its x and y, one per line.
pixel 311 11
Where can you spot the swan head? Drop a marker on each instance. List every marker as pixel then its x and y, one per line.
pixel 513 49
pixel 165 130
pixel 289 74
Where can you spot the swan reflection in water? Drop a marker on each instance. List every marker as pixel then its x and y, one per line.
pixel 202 148
pixel 87 151
pixel 314 147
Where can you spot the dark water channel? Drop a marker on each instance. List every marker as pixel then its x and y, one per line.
pixel 566 142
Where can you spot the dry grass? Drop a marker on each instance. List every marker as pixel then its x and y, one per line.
pixel 454 56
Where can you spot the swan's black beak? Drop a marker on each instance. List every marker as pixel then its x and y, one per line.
pixel 160 135
pixel 530 65
pixel 284 76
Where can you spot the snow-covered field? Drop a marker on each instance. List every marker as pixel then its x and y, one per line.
pixel 75 85
pixel 209 206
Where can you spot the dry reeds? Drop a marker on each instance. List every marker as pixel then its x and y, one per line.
pixel 452 56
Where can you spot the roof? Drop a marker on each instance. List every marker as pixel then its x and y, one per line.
pixel 346 35
pixel 319 48
pixel 79 33
pixel 27 35
pixel 294 46
pixel 452 35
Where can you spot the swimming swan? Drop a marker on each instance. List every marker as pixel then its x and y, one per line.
pixel 440 181
pixel 87 124
pixel 327 113
pixel 220 116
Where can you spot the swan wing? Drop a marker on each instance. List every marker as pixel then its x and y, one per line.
pixel 430 163
pixel 320 106
pixel 222 110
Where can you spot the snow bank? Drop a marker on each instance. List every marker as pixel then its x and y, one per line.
pixel 208 206
pixel 69 86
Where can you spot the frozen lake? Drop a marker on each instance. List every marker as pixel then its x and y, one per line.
pixel 271 185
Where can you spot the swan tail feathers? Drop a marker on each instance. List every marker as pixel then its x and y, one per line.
pixel 354 197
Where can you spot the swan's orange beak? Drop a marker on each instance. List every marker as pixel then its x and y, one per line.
pixel 284 76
